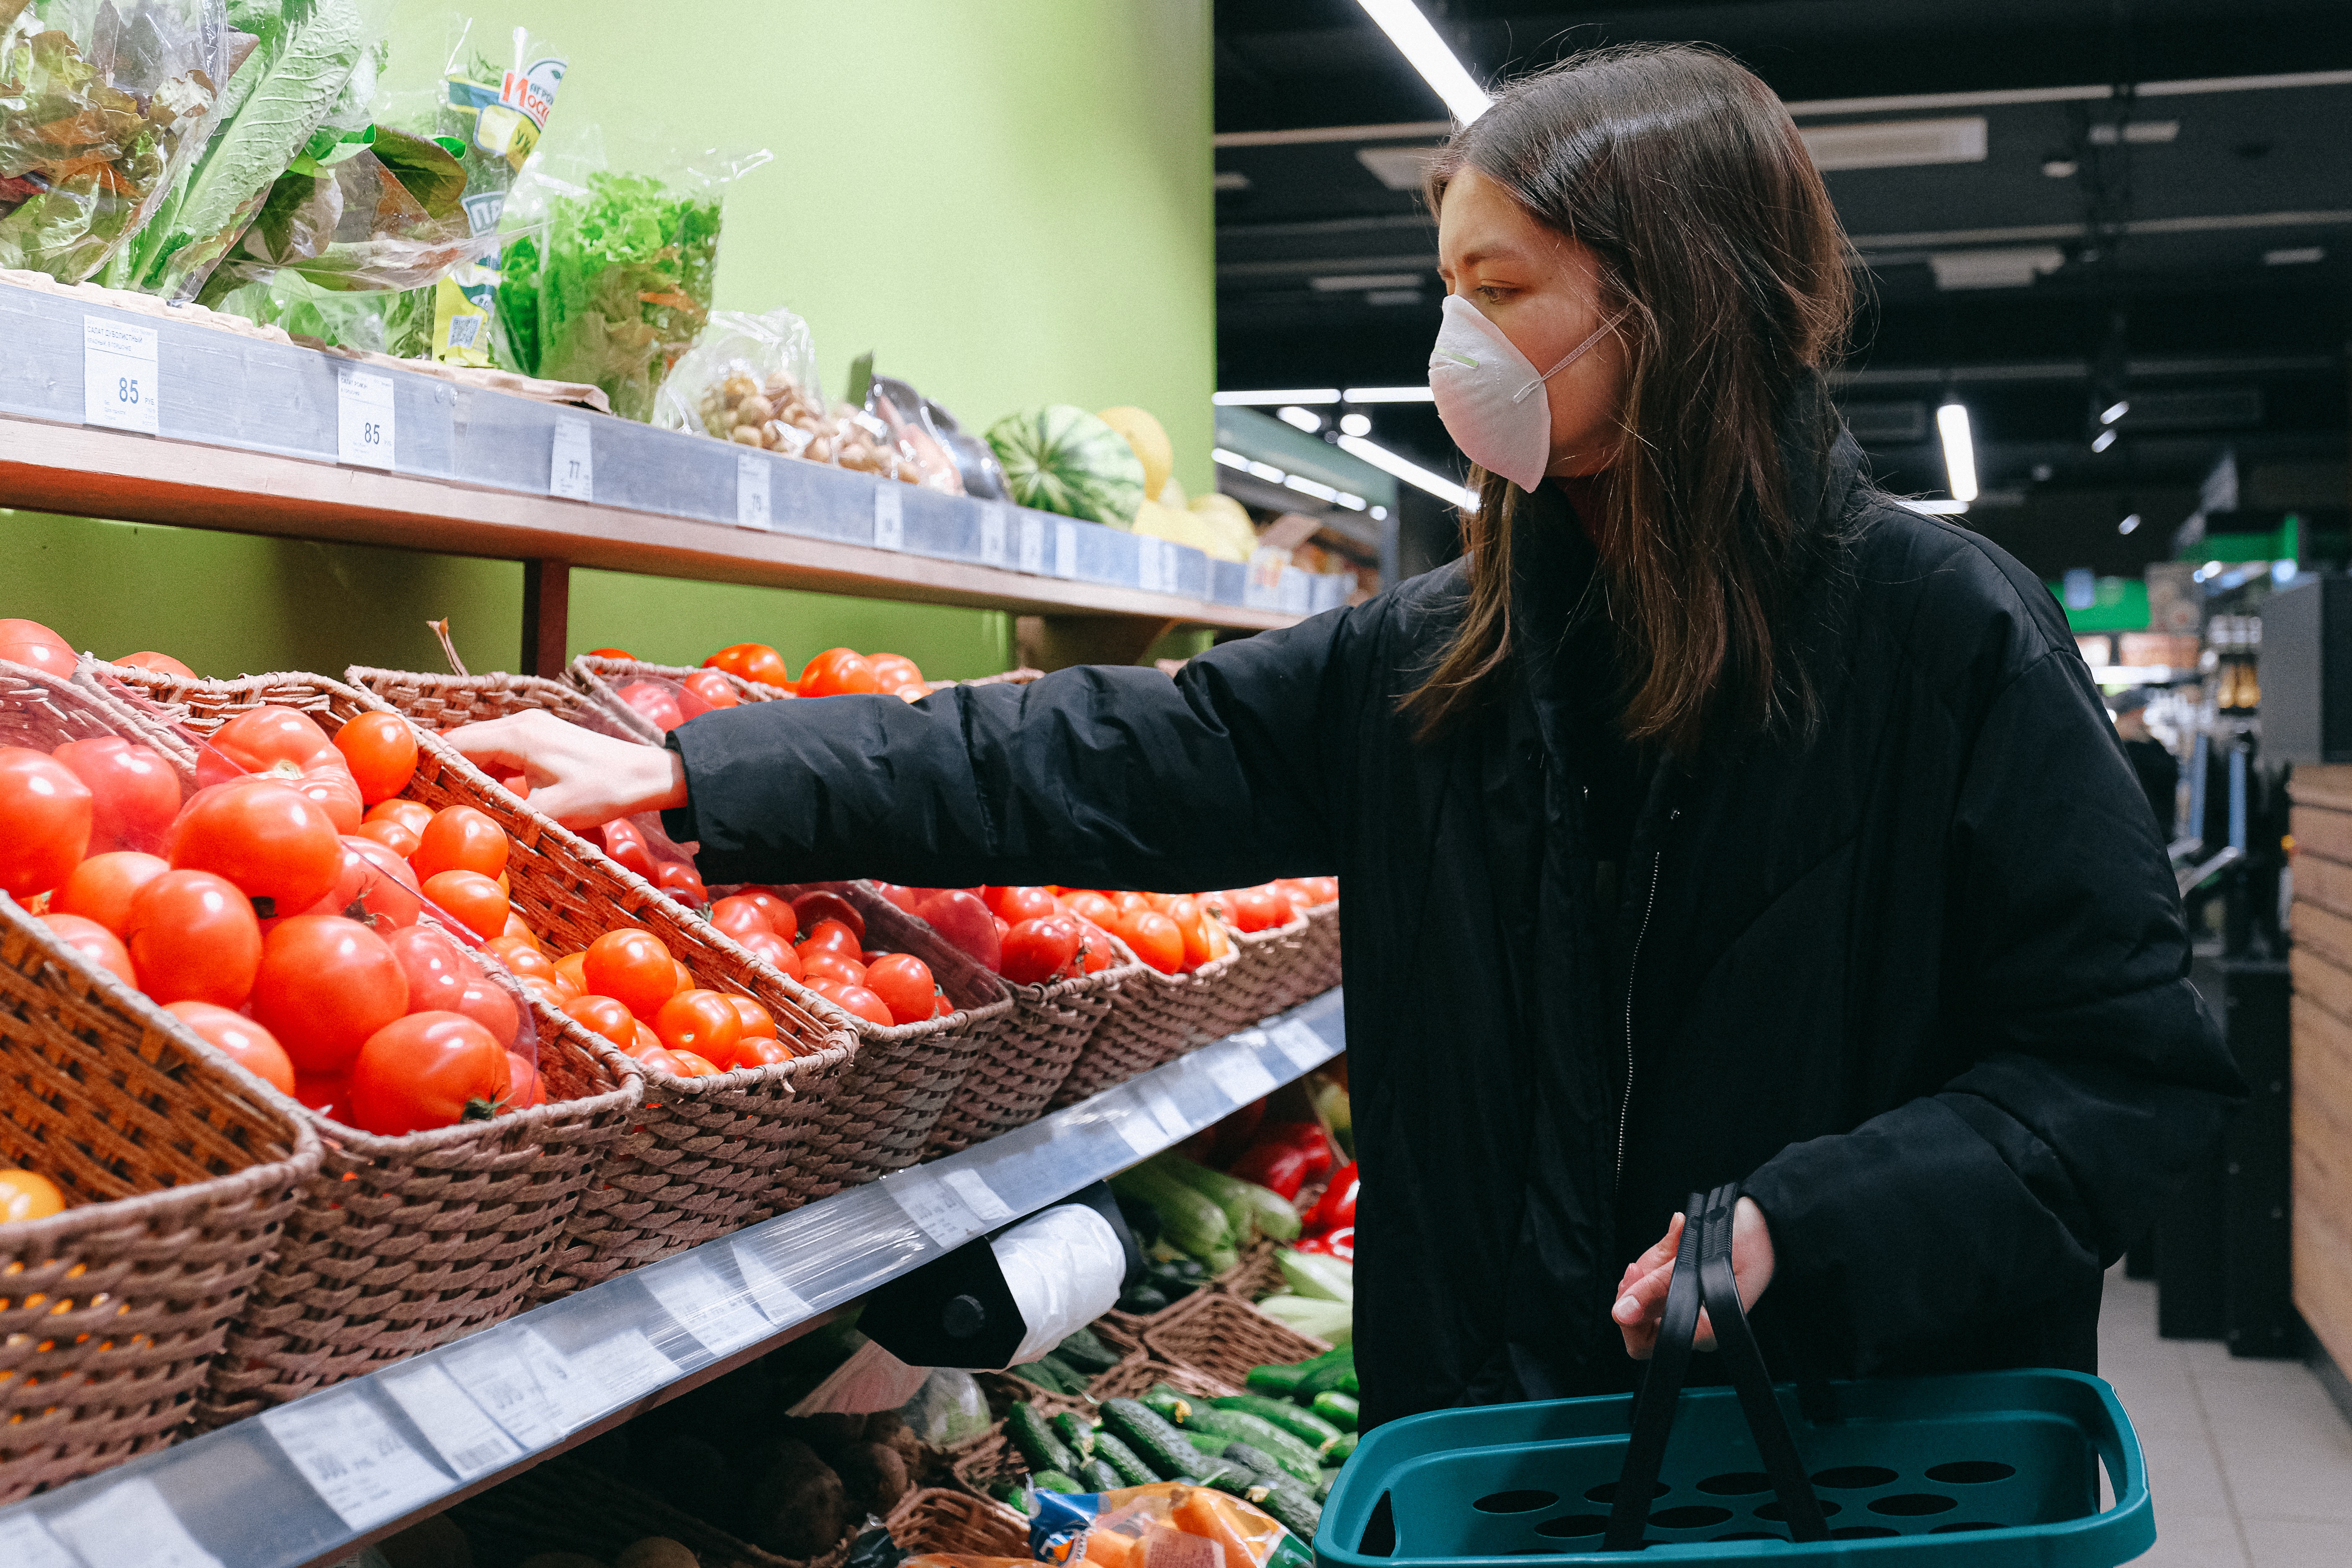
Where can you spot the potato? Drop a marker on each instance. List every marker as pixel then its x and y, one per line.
pixel 873 1477
pixel 796 1506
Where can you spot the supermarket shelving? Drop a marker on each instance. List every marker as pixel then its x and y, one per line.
pixel 312 1481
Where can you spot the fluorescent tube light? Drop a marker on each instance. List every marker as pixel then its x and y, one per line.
pixel 1229 459
pixel 1314 487
pixel 2115 411
pixel 1388 394
pixel 1297 418
pixel 1264 399
pixel 1268 472
pixel 1415 40
pixel 2129 524
pixel 1355 425
pixel 1353 503
pixel 1959 452
pixel 2103 440
pixel 1412 473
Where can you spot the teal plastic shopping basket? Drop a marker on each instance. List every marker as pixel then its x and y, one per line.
pixel 1975 1470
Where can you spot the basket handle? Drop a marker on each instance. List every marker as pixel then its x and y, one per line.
pixel 1703 1272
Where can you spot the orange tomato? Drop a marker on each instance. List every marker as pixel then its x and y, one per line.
pixel 690 1065
pixel 646 1039
pixel 655 1060
pixel 573 968
pixel 1154 939
pixel 102 887
pixel 31 643
pixel 194 938
pixel 894 669
pixel 1087 906
pixel 325 986
pixel 759 1050
pixel 632 967
pixel 612 653
pixel 1128 902
pixel 1256 908
pixel 904 984
pixel 45 813
pixel 822 963
pixel 460 838
pixel 521 932
pixel 757 1021
pixel 521 957
pixel 836 671
pixel 240 1039
pixel 711 686
pixel 685 981
pixel 24 1194
pixel 427 1071
pixel 95 943
pixel 160 663
pixel 703 1022
pixel 413 814
pixel 549 992
pixel 753 661
pixel 380 751
pixel 1192 924
pixel 393 836
pixel 605 1016
pixel 471 898
pixel 268 838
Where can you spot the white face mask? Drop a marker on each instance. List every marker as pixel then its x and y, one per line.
pixel 1491 397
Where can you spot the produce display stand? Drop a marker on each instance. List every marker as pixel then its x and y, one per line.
pixel 311 1481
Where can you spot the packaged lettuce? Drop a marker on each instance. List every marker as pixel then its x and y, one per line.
pixel 498 110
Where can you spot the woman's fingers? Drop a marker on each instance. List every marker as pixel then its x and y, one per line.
pixel 578 777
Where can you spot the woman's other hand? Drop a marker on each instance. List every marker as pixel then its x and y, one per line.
pixel 578 777
pixel 1642 1293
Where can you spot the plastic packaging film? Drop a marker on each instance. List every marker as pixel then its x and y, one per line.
pixel 1064 1268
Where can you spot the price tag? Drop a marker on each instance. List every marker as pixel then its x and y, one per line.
pixel 1032 545
pixel 978 1196
pixel 499 1372
pixel 354 1458
pixel 450 1420
pixel 1065 550
pixel 571 461
pixel 129 1525
pixel 1146 564
pixel 1293 596
pixel 889 516
pixel 752 492
pixel 705 1306
pixel 936 1210
pixel 1243 1076
pixel 364 418
pixel 1302 1044
pixel 26 1543
pixel 625 1367
pixel 120 386
pixel 784 1305
pixel 991 535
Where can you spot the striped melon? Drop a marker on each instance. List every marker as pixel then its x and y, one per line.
pixel 1064 459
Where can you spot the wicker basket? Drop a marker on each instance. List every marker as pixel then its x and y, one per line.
pixel 183 1170
pixel 1268 977
pixel 568 1505
pixel 1224 1338
pixel 1013 1082
pixel 1256 1275
pixel 699 1157
pixel 602 679
pixel 439 703
pixel 1153 1019
pixel 1318 955
pixel 992 1457
pixel 937 1520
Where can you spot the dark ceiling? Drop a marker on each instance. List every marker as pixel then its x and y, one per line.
pixel 2188 238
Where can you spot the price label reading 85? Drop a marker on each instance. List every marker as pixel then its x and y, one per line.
pixel 119 386
pixel 363 418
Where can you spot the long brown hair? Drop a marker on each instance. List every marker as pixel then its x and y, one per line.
pixel 1686 177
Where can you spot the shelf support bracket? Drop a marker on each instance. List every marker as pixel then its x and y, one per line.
pixel 546 616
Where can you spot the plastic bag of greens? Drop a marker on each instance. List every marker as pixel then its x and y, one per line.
pixel 755 374
pixel 103 104
pixel 398 322
pixel 948 1409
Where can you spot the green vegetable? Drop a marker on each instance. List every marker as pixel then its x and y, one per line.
pixel 1331 1105
pixel 1062 458
pixel 1131 1470
pixel 1333 1320
pixel 1210 1443
pixel 1280 1381
pixel 1343 1447
pixel 1294 1456
pixel 1295 1511
pixel 1189 1219
pixel 1047 1375
pixel 1340 1409
pixel 1143 1301
pixel 1276 1490
pixel 1310 1429
pixel 1037 1441
pixel 1102 1477
pixel 1330 1476
pixel 1055 1481
pixel 1249 1208
pixel 1169 1404
pixel 1086 1352
pixel 1014 1489
pixel 1318 1274
pixel 1336 1374
pixel 1076 1435
pixel 1152 1439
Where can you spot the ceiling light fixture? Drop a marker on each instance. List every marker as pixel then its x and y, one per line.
pixel 1297 418
pixel 1314 487
pixel 2060 168
pixel 2103 440
pixel 1262 399
pixel 1415 40
pixel 2294 256
pixel 1352 502
pixel 2128 524
pixel 1412 473
pixel 2114 411
pixel 1267 472
pixel 1959 452
pixel 1355 425
pixel 1227 458
pixel 1389 395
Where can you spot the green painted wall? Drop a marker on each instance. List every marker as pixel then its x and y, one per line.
pixel 1010 203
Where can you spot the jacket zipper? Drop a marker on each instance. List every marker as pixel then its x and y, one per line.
pixel 1633 968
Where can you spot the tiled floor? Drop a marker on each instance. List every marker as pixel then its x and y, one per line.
pixel 2249 1462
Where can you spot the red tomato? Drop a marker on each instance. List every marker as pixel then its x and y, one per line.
pixel 34 644
pixel 819 963
pixel 893 671
pixel 829 936
pixel 1037 950
pixel 45 821
pixel 529 1089
pixel 605 1016
pixel 413 814
pixel 740 917
pixel 134 794
pixel 386 889
pixel 101 886
pixel 1256 908
pixel 1193 925
pixel 1098 952
pixel 690 1065
pixel 761 1051
pixel 95 943
pixel 964 920
pixel 753 661
pixel 1013 905
pixel 240 1039
pixel 493 1006
pixel 655 1060
pixel 325 1096
pixel 854 999
pixel 836 671
pixel 194 938
pixel 646 1040
pixel 392 836
pixel 658 705
pixel 682 882
pixel 1087 906
pixel 782 919
pixel 612 653
pixel 521 958
pixel 627 845
pixel 1293 898
pixel 1154 939
pixel 1128 903
pixel 546 991
pixel 521 932
pixel 275 844
pixel 710 685
pixel 160 663
pixel 633 968
pixel 703 1022
pixel 902 897
pixel 460 838
pixel 572 966
pixel 427 1071
pixel 685 981
pixel 289 748
pixel 774 949
pixel 380 751
pixel 757 1021
pixel 904 984
pixel 325 985
pixel 473 900
pixel 436 966
pixel 811 908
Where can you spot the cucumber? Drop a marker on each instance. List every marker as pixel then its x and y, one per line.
pixel 1343 1447
pixel 1280 1381
pixel 1190 1221
pixel 1087 1353
pixel 1036 1441
pixel 1341 1410
pixel 1048 1375
pixel 1102 1478
pixel 1213 1443
pixel 1310 1429
pixel 1076 1435
pixel 1054 1481
pixel 1335 1376
pixel 1295 1510
pixel 1249 1208
pixel 1153 1440
pixel 1172 1406
pixel 1276 1490
pixel 1013 1492
pixel 1330 1476
pixel 1285 1450
pixel 1132 1471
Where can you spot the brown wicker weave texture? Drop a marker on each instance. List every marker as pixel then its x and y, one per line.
pixel 445 702
pixel 182 1169
pixel 937 1520
pixel 1224 1338
pixel 603 679
pixel 1154 1019
pixel 1318 959
pixel 566 1505
pixel 1268 977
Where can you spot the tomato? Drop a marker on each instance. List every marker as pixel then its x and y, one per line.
pixel 646 1039
pixel 1087 906
pixel 287 747
pixel 656 705
pixel 904 984
pixel 521 957
pixel 682 882
pixel 323 1095
pixel 902 897
pixel 380 751
pixel 1192 924
pixel 776 907
pixel 1013 905
pixel 27 1194
pixel 1003 930
pixel 460 838
pixel 703 1022
pixel 413 814
pixel 95 943
pixel 101 886
pixel 1098 952
pixel 893 671
pixel 572 967
pixel 819 963
pixel 632 967
pixel 857 999
pixel 612 653
pixel 1128 903
pixel 521 932
pixel 753 661
pixel 811 908
pixel 605 1016
pixel 529 1089
pixel 1039 949
pixel 493 1006
pixel 690 1065
pixel 964 920
pixel 134 794
pixel 437 967
pixel 427 1071
pixel 395 837
pixel 386 890
pixel 625 844
pixel 31 644
pixel 1293 896
pixel 194 938
pixel 774 950
pixel 160 663
pixel 471 898
pixel 761 1051
pixel 836 671
pixel 240 1039
pixel 757 1021
pixel 711 686
pixel 548 991
pixel 740 917
pixel 1154 939
pixel 829 936
pixel 271 842
pixel 655 1060
pixel 1256 908
pixel 326 983
pixel 45 820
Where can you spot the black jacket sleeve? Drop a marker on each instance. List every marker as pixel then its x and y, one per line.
pixel 1100 775
pixel 2096 1074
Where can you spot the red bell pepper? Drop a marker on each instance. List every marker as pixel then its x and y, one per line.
pixel 1307 1137
pixel 1278 1167
pixel 1237 1132
pixel 1337 1207
pixel 1340 1244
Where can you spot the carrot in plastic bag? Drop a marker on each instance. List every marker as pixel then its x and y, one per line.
pixel 1197 1511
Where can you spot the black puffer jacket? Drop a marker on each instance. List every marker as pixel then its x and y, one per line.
pixel 1919 982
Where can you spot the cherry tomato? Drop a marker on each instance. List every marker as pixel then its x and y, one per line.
pixel 904 984
pixel 829 936
pixel 528 1089
pixel 740 917
pixel 95 943
pixel 413 814
pixel 893 671
pixel 31 644
pixel 902 897
pixel 633 968
pixel 393 836
pixel 682 882
pixel 521 957
pixel 27 1194
pixel 102 887
pixel 1039 949
pixel 1154 939
pixel 819 963
pixel 775 950
pixel 380 751
pixel 1013 905
pixel 757 1021
pixel 240 1039
pixel 273 843
pixel 753 661
pixel 625 844
pixel 656 705
pixel 471 898
pixel 326 983
pixel 605 1016
pixel 160 663
pixel 460 838
pixel 810 909
pixel 836 671
pixel 134 794
pixel 703 1022
pixel 194 938
pixel 711 686
pixel 45 820
pixel 1087 906
pixel 427 1070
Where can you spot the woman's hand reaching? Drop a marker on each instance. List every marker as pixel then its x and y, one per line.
pixel 1642 1293
pixel 578 777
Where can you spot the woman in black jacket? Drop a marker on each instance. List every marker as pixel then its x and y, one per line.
pixel 1713 818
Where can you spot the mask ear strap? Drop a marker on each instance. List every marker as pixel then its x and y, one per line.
pixel 1603 330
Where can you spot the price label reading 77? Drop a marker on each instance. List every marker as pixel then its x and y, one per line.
pixel 571 462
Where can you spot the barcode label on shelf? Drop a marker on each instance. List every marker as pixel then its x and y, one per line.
pixel 1065 550
pixel 26 1543
pixel 889 516
pixel 992 534
pixel 978 1196
pixel 626 1367
pixel 705 1305
pixel 1302 1044
pixel 450 1420
pixel 120 386
pixel 936 1210
pixel 1032 545
pixel 354 1458
pixel 501 1375
pixel 752 492
pixel 129 1525
pixel 784 1305
pixel 571 460
pixel 364 418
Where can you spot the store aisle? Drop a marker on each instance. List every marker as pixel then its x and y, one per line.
pixel 2250 1463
